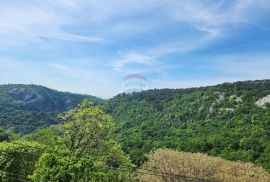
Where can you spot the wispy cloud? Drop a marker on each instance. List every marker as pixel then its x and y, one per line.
pixel 48 18
pixel 99 41
pixel 22 23
pixel 74 38
pixel 78 72
pixel 133 57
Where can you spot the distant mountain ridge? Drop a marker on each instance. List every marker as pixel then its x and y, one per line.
pixel 23 108
pixel 39 98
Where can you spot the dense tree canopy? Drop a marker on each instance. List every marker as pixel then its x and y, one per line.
pixel 81 149
pixel 85 151
pixel 85 144
pixel 25 108
pixel 220 120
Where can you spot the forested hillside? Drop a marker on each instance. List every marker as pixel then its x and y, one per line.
pixel 123 138
pixel 227 120
pixel 23 108
pixel 230 120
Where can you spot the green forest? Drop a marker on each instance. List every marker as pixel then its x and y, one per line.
pixel 24 108
pixel 48 135
pixel 221 121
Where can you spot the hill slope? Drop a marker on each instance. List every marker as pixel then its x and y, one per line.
pixel 23 108
pixel 227 120
pixel 222 120
pixel 39 98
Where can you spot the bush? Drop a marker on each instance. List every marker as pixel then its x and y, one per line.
pixel 170 165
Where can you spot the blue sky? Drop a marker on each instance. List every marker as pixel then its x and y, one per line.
pixel 88 46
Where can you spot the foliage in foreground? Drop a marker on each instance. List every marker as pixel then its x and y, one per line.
pixel 18 159
pixel 169 165
pixel 85 152
pixel 79 150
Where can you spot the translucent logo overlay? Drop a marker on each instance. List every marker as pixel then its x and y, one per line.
pixel 134 83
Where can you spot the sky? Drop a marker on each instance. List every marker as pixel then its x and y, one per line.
pixel 88 46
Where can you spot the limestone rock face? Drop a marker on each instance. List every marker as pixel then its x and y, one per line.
pixel 262 102
pixel 219 96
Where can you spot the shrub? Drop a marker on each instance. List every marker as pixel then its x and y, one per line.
pixel 170 165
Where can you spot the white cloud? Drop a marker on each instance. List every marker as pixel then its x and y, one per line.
pixel 134 62
pixel 212 17
pixel 75 38
pixel 26 21
pixel 23 22
pixel 77 72
pixel 133 57
pixel 114 22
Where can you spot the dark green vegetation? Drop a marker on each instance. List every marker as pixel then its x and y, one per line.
pixel 223 120
pixel 23 108
pixel 220 120
pixel 81 149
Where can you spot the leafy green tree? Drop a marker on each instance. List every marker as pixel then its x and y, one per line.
pixel 87 153
pixel 85 127
pixel 48 136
